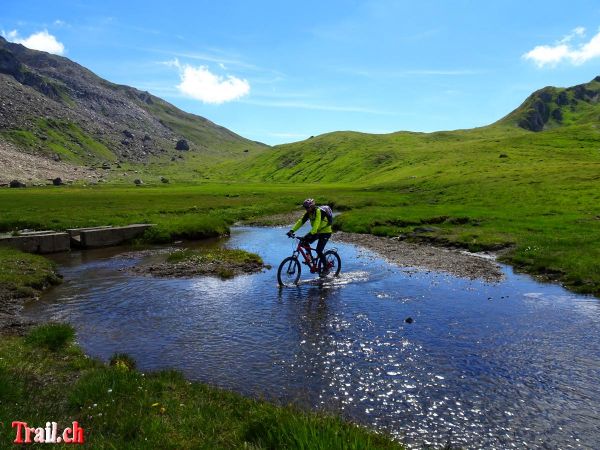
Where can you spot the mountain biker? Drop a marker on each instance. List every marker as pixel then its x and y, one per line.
pixel 320 229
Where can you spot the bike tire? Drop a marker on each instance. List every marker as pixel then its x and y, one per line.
pixel 289 271
pixel 334 261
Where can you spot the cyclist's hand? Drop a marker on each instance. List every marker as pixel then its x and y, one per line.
pixel 290 234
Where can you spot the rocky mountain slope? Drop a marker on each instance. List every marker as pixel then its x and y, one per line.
pixel 553 107
pixel 53 107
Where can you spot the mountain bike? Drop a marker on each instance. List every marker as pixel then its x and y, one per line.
pixel 290 268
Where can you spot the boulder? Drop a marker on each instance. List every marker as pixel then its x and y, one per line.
pixel 182 144
pixel 164 180
pixel 106 166
pixel 16 184
pixel 128 134
pixel 138 182
pixel 57 181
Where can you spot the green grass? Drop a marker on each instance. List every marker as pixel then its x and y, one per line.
pixel 51 336
pixel 545 211
pixel 23 274
pixel 63 138
pixel 179 211
pixel 119 407
pixel 225 255
pixel 223 262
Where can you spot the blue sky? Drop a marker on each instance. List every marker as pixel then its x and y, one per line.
pixel 278 71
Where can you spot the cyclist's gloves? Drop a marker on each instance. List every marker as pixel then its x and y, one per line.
pixel 290 234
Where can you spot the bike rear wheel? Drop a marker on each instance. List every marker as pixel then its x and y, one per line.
pixel 289 271
pixel 334 263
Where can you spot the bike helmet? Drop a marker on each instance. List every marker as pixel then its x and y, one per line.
pixel 309 203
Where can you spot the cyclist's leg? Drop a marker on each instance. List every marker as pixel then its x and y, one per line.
pixel 323 238
pixel 309 239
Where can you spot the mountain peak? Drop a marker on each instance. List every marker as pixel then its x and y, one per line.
pixel 551 107
pixel 50 105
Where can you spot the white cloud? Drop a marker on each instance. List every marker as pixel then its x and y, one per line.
pixel 42 40
pixel 563 50
pixel 200 83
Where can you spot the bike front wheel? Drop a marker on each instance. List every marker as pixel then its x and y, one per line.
pixel 289 271
pixel 334 263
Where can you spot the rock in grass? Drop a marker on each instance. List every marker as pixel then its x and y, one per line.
pixel 138 182
pixel 182 144
pixel 57 181
pixel 17 184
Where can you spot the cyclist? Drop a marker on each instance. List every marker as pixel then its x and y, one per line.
pixel 320 228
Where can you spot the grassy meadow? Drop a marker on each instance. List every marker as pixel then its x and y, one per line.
pixel 537 195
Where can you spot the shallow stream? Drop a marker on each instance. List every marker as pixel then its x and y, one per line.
pixel 514 364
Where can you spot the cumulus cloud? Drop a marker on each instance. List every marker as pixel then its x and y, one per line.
pixel 565 50
pixel 42 40
pixel 200 83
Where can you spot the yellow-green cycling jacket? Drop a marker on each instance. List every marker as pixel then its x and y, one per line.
pixel 318 222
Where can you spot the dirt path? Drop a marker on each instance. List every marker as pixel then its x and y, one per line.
pixel 427 257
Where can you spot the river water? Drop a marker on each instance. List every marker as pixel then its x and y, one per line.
pixel 514 364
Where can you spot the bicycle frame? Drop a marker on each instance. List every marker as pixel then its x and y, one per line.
pixel 305 251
